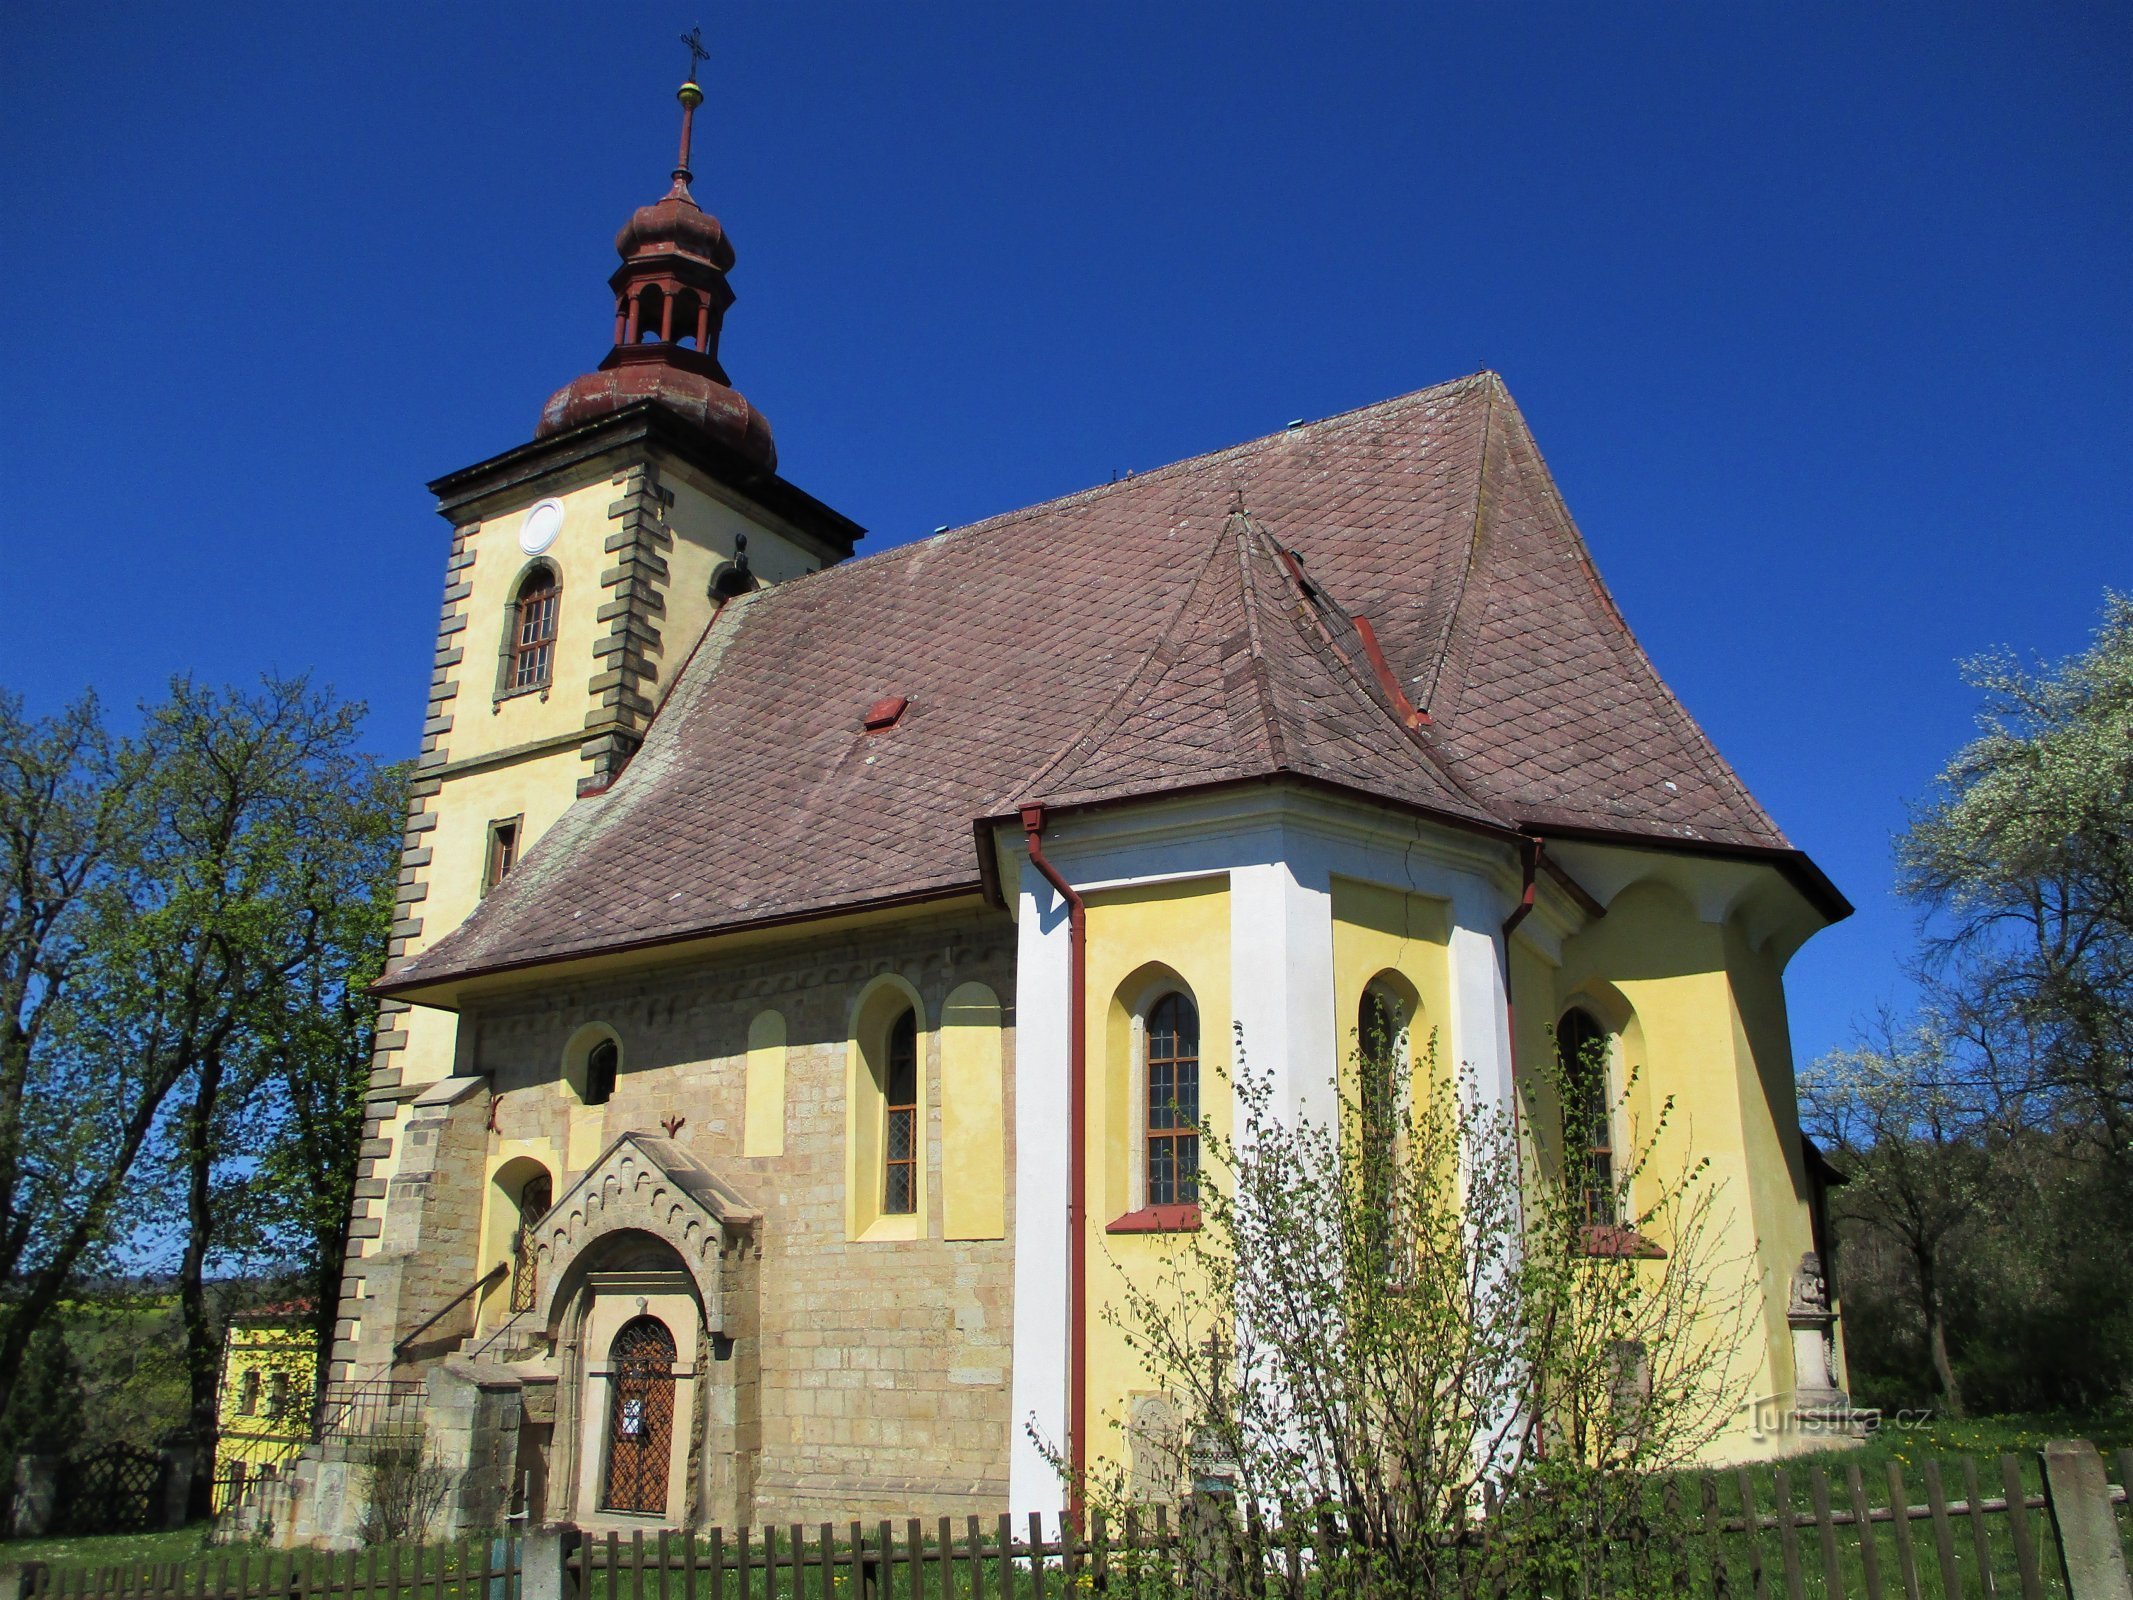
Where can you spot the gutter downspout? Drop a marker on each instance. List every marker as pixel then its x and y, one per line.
pixel 1529 867
pixel 1077 1153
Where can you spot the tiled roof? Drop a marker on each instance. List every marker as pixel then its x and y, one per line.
pixel 1136 638
pixel 1257 673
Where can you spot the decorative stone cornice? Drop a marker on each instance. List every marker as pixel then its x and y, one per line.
pixel 644 1184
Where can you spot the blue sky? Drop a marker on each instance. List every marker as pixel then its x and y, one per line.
pixel 1821 314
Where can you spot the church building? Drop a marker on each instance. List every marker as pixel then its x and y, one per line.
pixel 801 957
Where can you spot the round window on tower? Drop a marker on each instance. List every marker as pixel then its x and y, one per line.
pixel 543 521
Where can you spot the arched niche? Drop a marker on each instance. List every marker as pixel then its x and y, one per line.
pixel 973 1122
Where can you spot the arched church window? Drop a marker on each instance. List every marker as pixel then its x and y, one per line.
pixel 899 1189
pixel 640 1431
pixel 1581 1050
pixel 533 620
pixel 1173 1101
pixel 602 1062
pixel 1381 1035
pixel 533 1203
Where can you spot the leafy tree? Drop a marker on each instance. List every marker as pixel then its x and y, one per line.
pixel 271 837
pixel 73 805
pixel 1910 1129
pixel 1990 1141
pixel 47 1414
pixel 2023 858
pixel 204 994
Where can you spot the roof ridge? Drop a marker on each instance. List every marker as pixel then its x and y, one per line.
pixel 1473 547
pixel 1317 599
pixel 1105 712
pixel 1638 658
pixel 1238 528
pixel 1000 520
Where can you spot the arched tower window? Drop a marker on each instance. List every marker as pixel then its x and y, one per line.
pixel 531 659
pixel 899 1145
pixel 602 1062
pixel 533 1203
pixel 1581 1050
pixel 1173 1101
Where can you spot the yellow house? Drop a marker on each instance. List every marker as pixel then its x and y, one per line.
pixel 800 956
pixel 269 1376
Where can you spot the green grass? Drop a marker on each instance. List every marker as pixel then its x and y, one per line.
pixel 109 1549
pixel 1910 1444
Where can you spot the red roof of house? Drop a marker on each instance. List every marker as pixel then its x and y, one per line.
pixel 1135 639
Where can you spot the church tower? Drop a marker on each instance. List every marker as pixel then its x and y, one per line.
pixel 583 566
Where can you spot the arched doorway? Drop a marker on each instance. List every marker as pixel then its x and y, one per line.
pixel 640 1428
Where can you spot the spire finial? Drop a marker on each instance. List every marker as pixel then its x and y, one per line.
pixel 690 97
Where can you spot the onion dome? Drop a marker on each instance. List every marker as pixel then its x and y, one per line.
pixel 671 297
pixel 676 223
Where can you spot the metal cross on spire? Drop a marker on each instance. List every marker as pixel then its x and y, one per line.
pixel 694 39
pixel 691 97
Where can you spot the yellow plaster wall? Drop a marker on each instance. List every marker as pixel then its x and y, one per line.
pixel 973 1134
pixel 1383 930
pixel 704 527
pixel 763 1112
pixel 539 788
pixel 482 722
pixel 257 1439
pixel 1771 1126
pixel 509 1164
pixel 1134 936
pixel 1666 982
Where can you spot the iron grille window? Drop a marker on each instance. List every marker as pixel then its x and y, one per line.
pixel 641 1426
pixel 1588 1126
pixel 533 632
pixel 899 1189
pixel 533 1203
pixel 1173 1102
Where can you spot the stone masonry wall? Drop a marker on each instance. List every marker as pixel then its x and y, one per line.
pixel 883 1366
pixel 382 1105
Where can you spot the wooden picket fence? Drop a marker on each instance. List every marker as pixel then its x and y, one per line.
pixel 1965 1530
pixel 942 1558
pixel 466 1569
